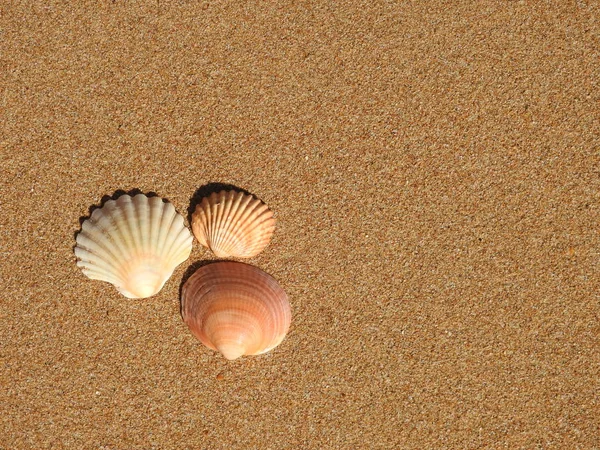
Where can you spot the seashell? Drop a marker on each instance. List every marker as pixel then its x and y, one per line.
pixel 134 243
pixel 233 224
pixel 235 308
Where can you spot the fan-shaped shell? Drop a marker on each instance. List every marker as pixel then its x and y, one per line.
pixel 235 308
pixel 134 243
pixel 233 224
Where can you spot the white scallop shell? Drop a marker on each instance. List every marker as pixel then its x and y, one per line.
pixel 135 243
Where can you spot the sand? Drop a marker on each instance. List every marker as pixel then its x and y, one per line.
pixel 434 169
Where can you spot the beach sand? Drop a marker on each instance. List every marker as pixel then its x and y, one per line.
pixel 434 170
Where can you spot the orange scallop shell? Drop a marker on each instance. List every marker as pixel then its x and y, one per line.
pixel 235 308
pixel 233 224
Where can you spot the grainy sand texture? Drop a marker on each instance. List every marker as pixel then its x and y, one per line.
pixel 434 167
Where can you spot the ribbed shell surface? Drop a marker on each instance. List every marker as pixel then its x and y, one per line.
pixel 235 308
pixel 135 243
pixel 233 224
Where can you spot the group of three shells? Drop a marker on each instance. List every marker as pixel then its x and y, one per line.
pixel 136 243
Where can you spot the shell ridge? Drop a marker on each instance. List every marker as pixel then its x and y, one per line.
pixel 205 221
pixel 141 210
pixel 151 216
pixel 101 226
pixel 90 261
pixel 213 208
pixel 122 228
pixel 180 250
pixel 258 234
pixel 257 222
pixel 129 213
pixel 220 203
pixel 205 226
pixel 234 233
pixel 89 253
pixel 170 239
pixel 245 227
pixel 155 212
pixel 167 219
pixel 172 234
pixel 115 216
pixel 238 206
pixel 200 225
pixel 184 246
pixel 85 239
pixel 99 273
pixel 106 229
pixel 207 208
pixel 227 199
